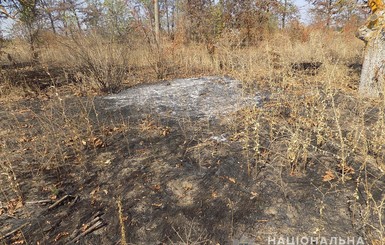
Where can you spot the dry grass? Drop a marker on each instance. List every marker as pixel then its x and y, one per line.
pixel 123 239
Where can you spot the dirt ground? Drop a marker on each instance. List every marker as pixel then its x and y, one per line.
pixel 138 176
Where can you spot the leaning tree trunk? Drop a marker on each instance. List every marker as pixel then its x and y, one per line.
pixel 372 83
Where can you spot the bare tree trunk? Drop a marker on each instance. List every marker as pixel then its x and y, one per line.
pixel 372 83
pixel 173 13
pixel 157 22
pixel 284 15
pixel 33 43
pixel 329 13
pixel 167 16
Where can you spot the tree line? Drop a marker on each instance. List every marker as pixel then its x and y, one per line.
pixel 195 20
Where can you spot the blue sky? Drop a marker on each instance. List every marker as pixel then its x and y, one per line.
pixel 301 2
pixel 303 7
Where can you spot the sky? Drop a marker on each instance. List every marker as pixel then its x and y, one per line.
pixel 303 7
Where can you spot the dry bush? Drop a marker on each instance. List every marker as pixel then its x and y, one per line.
pixel 18 51
pixel 101 63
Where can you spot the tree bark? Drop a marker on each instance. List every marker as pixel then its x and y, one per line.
pixel 372 82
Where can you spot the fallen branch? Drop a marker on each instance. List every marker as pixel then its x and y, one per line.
pixel 90 229
pixel 76 198
pixel 39 201
pixel 13 231
pixel 95 223
pixel 58 202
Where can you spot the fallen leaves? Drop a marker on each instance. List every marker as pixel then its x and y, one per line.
pixel 13 205
pixel 343 170
pixel 98 143
pixel 329 175
pixel 94 142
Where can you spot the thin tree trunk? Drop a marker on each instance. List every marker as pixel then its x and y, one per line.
pixel 173 9
pixel 157 22
pixel 50 16
pixel 52 23
pixel 167 16
pixel 329 13
pixel 284 15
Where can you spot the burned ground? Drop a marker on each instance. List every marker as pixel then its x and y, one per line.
pixel 104 171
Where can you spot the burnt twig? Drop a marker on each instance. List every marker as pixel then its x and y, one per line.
pixel 95 224
pixel 13 231
pixel 58 202
pixel 39 201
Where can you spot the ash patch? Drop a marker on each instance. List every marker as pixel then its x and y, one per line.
pixel 196 98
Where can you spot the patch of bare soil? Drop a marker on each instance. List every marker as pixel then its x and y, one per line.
pixel 141 176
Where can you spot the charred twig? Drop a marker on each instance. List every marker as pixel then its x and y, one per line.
pixel 97 214
pixel 13 231
pixel 39 201
pixel 53 226
pixel 90 227
pixel 75 200
pixel 58 202
pixel 94 227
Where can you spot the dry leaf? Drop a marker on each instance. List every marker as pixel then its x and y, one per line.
pixel 13 205
pixel 232 180
pixel 253 195
pixel 165 131
pixel 98 143
pixel 157 205
pixel 93 192
pixel 347 169
pixel 329 175
pixel 155 187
